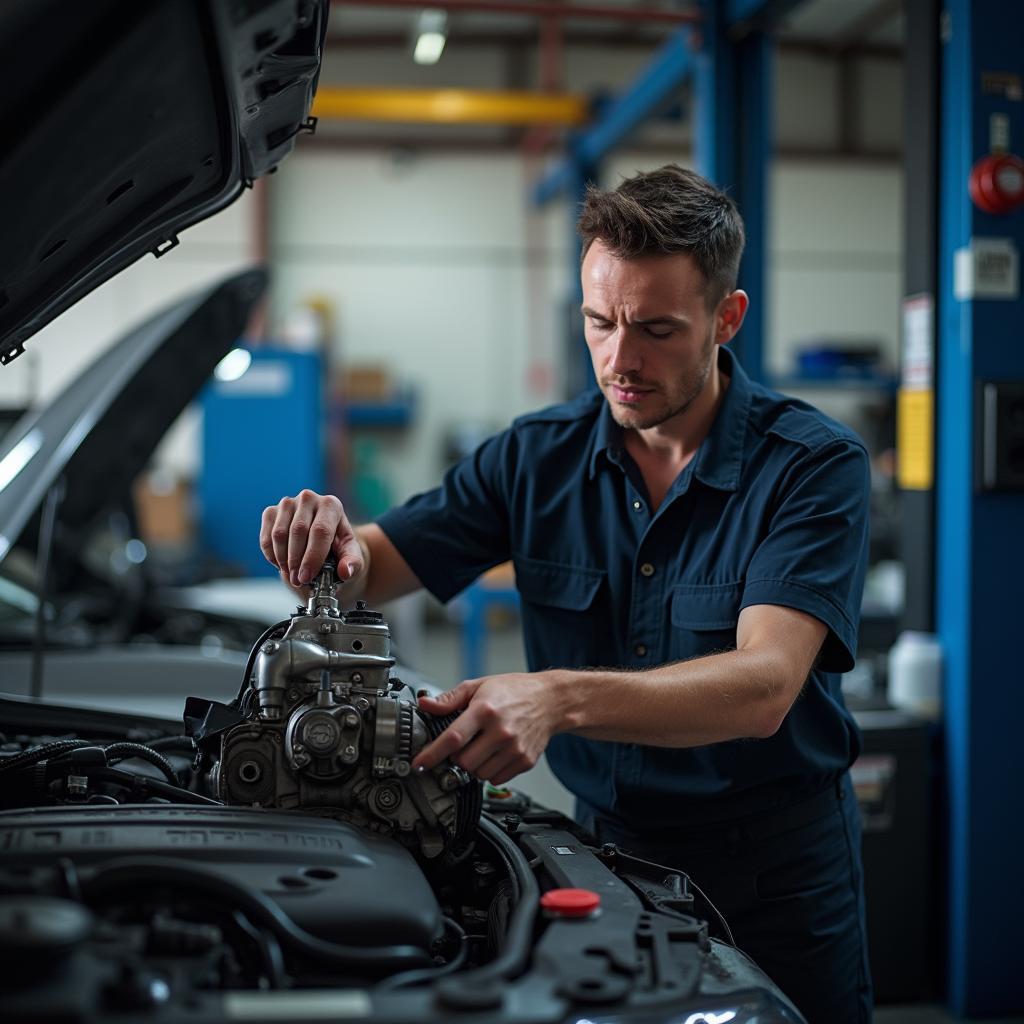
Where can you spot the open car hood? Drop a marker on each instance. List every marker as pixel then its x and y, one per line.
pixel 100 432
pixel 125 122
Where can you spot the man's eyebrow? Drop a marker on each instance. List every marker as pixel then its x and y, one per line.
pixel 676 321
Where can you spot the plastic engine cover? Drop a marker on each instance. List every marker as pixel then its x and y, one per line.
pixel 331 879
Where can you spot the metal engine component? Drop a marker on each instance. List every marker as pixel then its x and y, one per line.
pixel 327 729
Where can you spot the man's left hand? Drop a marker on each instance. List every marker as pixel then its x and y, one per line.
pixel 506 723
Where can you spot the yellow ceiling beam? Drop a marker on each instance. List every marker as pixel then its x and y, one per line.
pixel 449 106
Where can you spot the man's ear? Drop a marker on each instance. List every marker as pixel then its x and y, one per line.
pixel 729 315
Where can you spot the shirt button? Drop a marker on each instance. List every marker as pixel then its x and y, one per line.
pixel 647 569
pixel 638 505
pixel 640 650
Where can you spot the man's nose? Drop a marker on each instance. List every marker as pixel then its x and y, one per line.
pixel 624 357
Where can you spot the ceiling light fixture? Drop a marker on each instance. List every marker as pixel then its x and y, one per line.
pixel 431 34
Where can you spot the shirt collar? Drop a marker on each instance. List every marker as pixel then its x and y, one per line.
pixel 720 457
pixel 607 440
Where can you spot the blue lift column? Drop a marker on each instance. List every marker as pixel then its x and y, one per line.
pixel 980 510
pixel 583 172
pixel 734 141
pixel 656 85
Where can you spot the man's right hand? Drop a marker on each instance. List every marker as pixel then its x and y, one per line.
pixel 297 534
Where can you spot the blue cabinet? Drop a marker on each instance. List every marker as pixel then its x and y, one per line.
pixel 263 438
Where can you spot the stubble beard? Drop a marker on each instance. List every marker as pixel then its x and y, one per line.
pixel 692 389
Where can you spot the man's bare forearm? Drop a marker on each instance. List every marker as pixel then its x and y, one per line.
pixel 384 575
pixel 356 587
pixel 733 695
pixel 508 720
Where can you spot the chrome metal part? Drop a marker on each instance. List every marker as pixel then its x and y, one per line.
pixel 331 729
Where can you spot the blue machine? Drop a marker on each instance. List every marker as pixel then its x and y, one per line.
pixel 980 558
pixel 263 438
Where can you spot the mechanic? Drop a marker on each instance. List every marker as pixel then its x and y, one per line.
pixel 705 539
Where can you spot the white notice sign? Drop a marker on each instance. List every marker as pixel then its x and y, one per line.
pixel 916 370
pixel 988 268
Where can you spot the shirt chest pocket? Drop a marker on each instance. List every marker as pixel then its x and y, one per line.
pixel 564 613
pixel 569 588
pixel 703 618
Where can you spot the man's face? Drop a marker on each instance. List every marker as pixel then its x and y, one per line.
pixel 650 333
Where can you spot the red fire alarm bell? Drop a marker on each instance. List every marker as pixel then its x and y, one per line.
pixel 997 183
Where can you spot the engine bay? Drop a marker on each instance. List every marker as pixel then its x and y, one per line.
pixel 278 859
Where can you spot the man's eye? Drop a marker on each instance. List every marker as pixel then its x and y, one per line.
pixel 659 334
pixel 601 325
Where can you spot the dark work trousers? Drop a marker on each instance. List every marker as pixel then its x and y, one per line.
pixel 791 887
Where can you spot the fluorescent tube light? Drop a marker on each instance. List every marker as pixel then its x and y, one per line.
pixel 429 48
pixel 431 32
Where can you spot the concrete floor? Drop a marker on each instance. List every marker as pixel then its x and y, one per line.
pixel 439 657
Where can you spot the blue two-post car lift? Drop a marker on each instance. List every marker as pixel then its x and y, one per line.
pixel 979 549
pixel 979 596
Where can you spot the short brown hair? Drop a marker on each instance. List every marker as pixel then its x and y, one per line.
pixel 670 210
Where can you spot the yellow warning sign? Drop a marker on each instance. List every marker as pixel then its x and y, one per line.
pixel 915 430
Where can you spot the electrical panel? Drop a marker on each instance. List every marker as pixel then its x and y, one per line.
pixel 1000 429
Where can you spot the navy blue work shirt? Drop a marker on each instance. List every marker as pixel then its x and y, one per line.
pixel 772 509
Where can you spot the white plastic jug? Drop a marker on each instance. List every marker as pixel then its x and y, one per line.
pixel 915 674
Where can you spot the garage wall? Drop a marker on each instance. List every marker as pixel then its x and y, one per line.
pixel 837 258
pixel 435 263
pixel 433 267
pixel 425 261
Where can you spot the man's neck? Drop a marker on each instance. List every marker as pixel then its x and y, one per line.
pixel 663 452
pixel 676 440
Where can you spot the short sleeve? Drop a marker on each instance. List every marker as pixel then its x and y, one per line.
pixel 814 556
pixel 453 533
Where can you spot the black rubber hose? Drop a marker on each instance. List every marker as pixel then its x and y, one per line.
pixel 251 660
pixel 182 744
pixel 497 916
pixel 120 873
pixel 515 956
pixel 515 889
pixel 43 753
pixel 267 946
pixel 154 787
pixel 123 751
pixel 407 978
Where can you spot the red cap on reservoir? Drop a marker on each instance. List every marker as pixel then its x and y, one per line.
pixel 570 902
